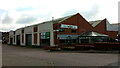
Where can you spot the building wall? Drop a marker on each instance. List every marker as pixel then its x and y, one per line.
pixel 4 37
pixel 77 20
pixel 11 35
pixel 18 32
pixel 27 30
pixel 119 32
pixel 47 27
pixel 101 28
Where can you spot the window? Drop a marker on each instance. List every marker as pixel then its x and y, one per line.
pixel 74 41
pixel 62 40
pixel 62 30
pixel 73 31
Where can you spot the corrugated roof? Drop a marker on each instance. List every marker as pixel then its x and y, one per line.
pixel 52 21
pixel 91 33
pixel 111 27
pixel 58 20
pixel 95 23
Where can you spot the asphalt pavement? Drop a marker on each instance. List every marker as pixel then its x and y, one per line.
pixel 24 56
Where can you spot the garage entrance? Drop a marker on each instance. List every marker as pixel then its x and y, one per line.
pixel 28 39
pixel 18 40
pixel 11 41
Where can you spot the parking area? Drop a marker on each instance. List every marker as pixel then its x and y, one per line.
pixel 24 56
pixel 0 54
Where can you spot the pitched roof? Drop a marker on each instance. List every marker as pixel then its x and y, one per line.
pixel 58 20
pixel 91 33
pixel 52 21
pixel 95 23
pixel 111 27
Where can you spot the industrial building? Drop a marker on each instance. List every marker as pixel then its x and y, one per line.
pixel 68 30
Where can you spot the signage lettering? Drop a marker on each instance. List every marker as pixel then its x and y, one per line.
pixel 69 26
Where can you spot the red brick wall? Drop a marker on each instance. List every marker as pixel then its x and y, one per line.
pixel 83 26
pixel 101 28
pixel 22 35
pixel 35 38
pixel 35 29
pixel 112 34
pixel 78 20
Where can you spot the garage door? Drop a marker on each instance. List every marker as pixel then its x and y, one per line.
pixel 28 39
pixel 11 41
pixel 18 39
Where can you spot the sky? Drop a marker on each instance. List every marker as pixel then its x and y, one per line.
pixel 15 14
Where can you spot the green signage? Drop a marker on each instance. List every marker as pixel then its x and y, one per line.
pixel 47 35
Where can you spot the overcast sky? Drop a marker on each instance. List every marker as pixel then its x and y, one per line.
pixel 18 13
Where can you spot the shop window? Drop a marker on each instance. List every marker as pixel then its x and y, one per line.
pixel 62 30
pixel 62 40
pixel 73 31
pixel 74 41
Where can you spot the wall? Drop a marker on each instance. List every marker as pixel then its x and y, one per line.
pixel 102 28
pixel 77 20
pixel 11 35
pixel 47 27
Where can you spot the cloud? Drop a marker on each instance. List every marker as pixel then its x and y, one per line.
pixel 92 13
pixel 70 12
pixel 7 27
pixel 24 9
pixel 18 12
pixel 2 11
pixel 88 14
pixel 7 19
pixel 26 19
pixel 29 18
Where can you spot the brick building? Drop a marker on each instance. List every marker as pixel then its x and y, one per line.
pixel 61 31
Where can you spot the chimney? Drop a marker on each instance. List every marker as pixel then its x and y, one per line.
pixel 52 18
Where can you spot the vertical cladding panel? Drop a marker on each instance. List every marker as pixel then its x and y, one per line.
pixel 22 38
pixel 35 38
pixel 14 36
pixel 10 36
pixel 39 38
